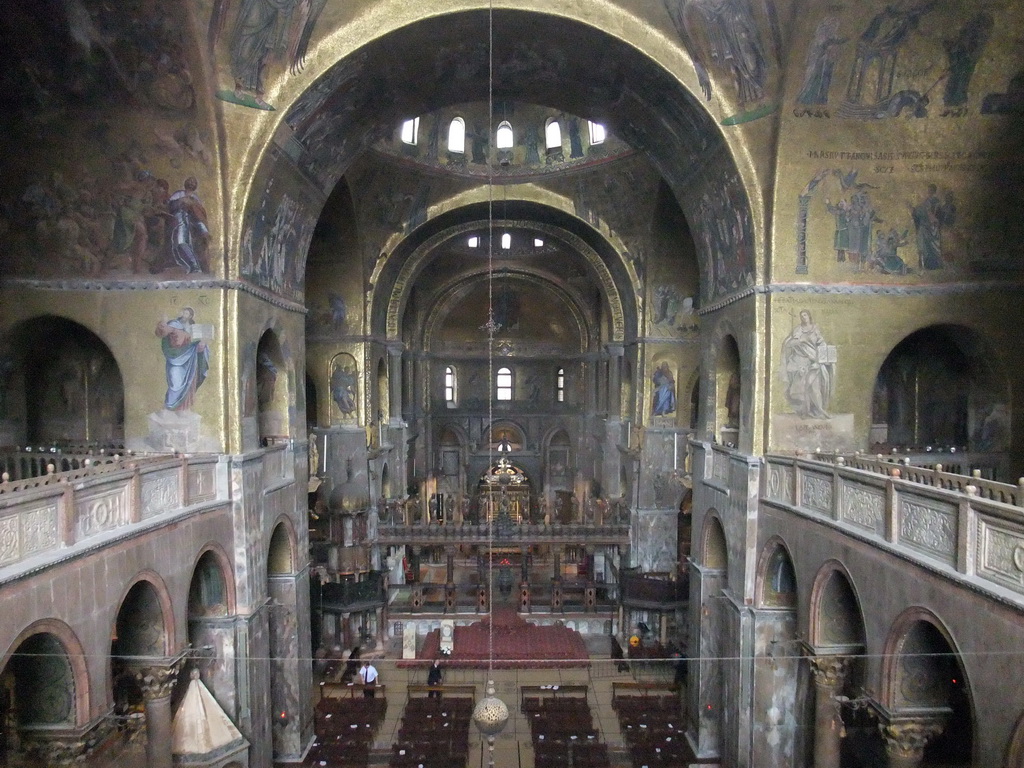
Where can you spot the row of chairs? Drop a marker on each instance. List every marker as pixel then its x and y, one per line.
pixel 433 733
pixel 653 729
pixel 563 734
pixel 345 731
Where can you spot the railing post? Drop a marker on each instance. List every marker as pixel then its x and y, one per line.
pixel 891 506
pixel 67 514
pixel 966 532
pixel 135 493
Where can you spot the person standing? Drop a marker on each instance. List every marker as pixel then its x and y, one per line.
pixel 434 677
pixel 368 677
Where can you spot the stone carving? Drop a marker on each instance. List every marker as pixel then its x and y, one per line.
pixel 863 507
pixel 929 529
pixel 201 485
pixel 9 547
pixel 38 530
pixel 157 682
pixel 817 493
pixel 780 484
pixel 908 739
pixel 829 671
pixel 102 513
pixel 160 493
pixel 1001 555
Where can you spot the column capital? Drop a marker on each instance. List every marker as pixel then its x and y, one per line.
pixel 157 680
pixel 829 671
pixel 907 738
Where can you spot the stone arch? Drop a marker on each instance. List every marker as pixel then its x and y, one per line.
pixel 1015 750
pixel 65 664
pixel 77 390
pixel 775 585
pixel 835 615
pixel 272 393
pixel 677 128
pixel 714 546
pixel 942 386
pixel 922 670
pixel 281 552
pixel 143 631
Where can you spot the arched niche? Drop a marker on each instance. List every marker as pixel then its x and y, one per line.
pixel 923 672
pixel 714 549
pixel 140 634
pixel 280 555
pixel 941 386
pixel 776 578
pixel 59 383
pixel 559 461
pixel 272 395
pixel 209 594
pixel 727 392
pixel 836 619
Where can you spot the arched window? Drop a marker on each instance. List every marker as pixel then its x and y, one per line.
pixel 503 384
pixel 449 385
pixel 560 385
pixel 410 130
pixel 474 241
pixel 457 136
pixel 506 241
pixel 504 137
pixel 552 134
pixel 597 132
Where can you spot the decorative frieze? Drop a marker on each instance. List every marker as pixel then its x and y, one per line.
pixel 930 529
pixel 102 512
pixel 38 530
pixel 1001 554
pixel 202 483
pixel 780 483
pixel 161 492
pixel 817 492
pixel 863 507
pixel 10 545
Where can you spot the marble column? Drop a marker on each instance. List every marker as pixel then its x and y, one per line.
pixel 394 383
pixel 157 683
pixel 829 675
pixel 905 740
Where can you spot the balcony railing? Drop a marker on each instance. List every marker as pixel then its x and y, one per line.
pixel 60 510
pixel 348 594
pixel 525 534
pixel 971 529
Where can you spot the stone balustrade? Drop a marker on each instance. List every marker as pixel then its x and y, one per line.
pixel 43 517
pixel 968 528
pixel 938 474
pixel 525 534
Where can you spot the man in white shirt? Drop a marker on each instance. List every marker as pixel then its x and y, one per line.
pixel 368 677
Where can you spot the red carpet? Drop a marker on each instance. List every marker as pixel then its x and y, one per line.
pixel 517 643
